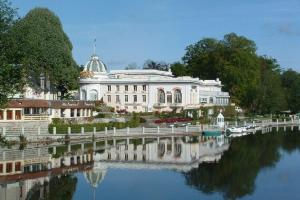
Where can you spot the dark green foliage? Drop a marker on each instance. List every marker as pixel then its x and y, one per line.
pixel 291 83
pixel 150 64
pixel 179 69
pixel 11 80
pixel 62 128
pixel 43 48
pixel 252 81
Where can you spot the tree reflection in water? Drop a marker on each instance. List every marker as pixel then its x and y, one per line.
pixel 59 188
pixel 235 174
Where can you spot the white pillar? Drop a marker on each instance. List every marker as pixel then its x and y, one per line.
pixel 127 141
pixel 236 123
pixel 105 129
pixel 82 147
pixel 54 150
pixel 54 130
pixel 157 140
pixel 277 122
pixel 3 131
pixel 94 146
pixel 172 129
pixel 284 120
pixel 158 129
pixel 186 129
pixel 69 148
pixel 143 140
pixel 114 130
pixel 69 130
pixel 39 130
pixel 82 130
pixel 94 130
pixel 23 130
pixel 115 142
pixel 128 130
pixel 143 130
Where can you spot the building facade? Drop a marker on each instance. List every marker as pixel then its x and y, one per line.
pixel 145 90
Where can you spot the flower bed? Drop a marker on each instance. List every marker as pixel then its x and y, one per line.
pixel 172 120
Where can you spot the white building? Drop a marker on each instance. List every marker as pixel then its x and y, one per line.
pixel 145 90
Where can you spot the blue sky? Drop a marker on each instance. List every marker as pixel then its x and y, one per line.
pixel 132 31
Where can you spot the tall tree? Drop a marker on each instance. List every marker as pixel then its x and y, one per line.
pixel 291 84
pixel 150 64
pixel 271 98
pixel 179 69
pixel 232 59
pixel 44 48
pixel 11 73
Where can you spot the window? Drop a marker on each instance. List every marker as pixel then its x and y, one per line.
pixel 78 112
pixel 126 98
pixel 203 100
pixel 1 115
pixel 17 166
pixel 144 98
pixel 169 98
pixel 126 87
pixel 134 98
pixel 1 168
pixel 117 88
pixel 117 98
pixel 83 95
pixel 8 167
pixel 144 87
pixel 161 96
pixel 93 95
pixel 135 88
pixel 134 107
pixel 72 113
pixel 9 114
pixel 17 114
pixel 211 100
pixel 177 96
pixel 108 98
pixel 27 111
pixel 109 88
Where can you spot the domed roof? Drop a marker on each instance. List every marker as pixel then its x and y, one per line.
pixel 95 176
pixel 95 65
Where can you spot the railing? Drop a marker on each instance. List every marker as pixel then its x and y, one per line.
pixel 36 117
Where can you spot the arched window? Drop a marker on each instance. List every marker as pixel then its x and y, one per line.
pixel 211 100
pixel 161 96
pixel 83 95
pixel 93 95
pixel 177 96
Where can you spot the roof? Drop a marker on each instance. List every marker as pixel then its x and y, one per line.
pixel 40 103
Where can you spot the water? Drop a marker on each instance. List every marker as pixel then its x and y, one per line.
pixel 261 166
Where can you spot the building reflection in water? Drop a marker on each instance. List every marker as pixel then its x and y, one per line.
pixel 27 174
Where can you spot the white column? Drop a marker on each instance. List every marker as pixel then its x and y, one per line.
pixel 158 129
pixel 54 150
pixel 54 130
pixel 82 130
pixel 143 130
pixel 39 130
pixel 69 148
pixel 186 129
pixel 105 129
pixel 69 130
pixel 3 131
pixel 128 130
pixel 94 130
pixel 23 130
pixel 82 147
pixel 172 129
pixel 13 114
pixel 114 130
pixel 94 146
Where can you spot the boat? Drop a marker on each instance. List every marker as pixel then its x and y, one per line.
pixel 212 133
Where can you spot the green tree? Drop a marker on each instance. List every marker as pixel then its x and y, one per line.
pixel 291 84
pixel 232 59
pixel 150 64
pixel 270 96
pixel 179 69
pixel 11 81
pixel 44 48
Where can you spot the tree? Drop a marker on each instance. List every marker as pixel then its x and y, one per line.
pixel 44 48
pixel 291 84
pixel 150 64
pixel 131 66
pixel 179 69
pixel 271 98
pixel 233 59
pixel 11 80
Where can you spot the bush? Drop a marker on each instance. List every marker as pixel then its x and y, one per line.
pixel 62 128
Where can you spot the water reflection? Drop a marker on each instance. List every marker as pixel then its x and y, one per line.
pixel 235 174
pixel 209 165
